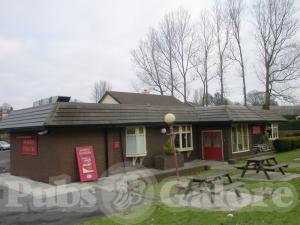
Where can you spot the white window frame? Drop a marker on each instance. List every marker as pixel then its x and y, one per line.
pixel 180 132
pixel 139 154
pixel 243 141
pixel 273 127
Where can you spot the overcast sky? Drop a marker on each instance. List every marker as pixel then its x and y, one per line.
pixel 61 47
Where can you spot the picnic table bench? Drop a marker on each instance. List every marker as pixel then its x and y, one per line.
pixel 204 184
pixel 262 163
pixel 262 148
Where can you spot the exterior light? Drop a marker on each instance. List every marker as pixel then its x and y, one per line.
pixel 43 132
pixel 163 130
pixel 170 118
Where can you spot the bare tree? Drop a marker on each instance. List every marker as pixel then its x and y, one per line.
pixel 257 98
pixel 165 44
pixel 100 87
pixel 235 10
pixel 276 30
pixel 205 43
pixel 184 48
pixel 147 59
pixel 222 33
pixel 198 96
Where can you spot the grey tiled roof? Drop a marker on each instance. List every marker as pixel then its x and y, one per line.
pixel 268 115
pixel 70 114
pixel 289 110
pixel 28 118
pixel 130 98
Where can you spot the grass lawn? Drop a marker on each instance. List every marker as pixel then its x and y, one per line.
pixel 288 157
pixel 266 214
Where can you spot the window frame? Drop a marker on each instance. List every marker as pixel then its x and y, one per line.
pixel 180 132
pixel 242 126
pixel 273 127
pixel 136 134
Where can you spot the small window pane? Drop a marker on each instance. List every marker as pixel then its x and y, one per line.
pixel 177 141
pixel 234 138
pixel 246 138
pixel 130 130
pixel 239 138
pixel 184 140
pixel 176 129
pixel 141 130
pixel 189 140
pixel 217 140
pixel 140 144
pixel 183 128
pixel 189 128
pixel 207 141
pixel 131 144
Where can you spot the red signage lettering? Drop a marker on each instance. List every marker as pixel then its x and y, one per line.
pixel 86 163
pixel 29 145
pixel 117 145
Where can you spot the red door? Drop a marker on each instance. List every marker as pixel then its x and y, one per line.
pixel 212 145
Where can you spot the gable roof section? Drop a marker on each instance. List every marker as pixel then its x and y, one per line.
pixel 130 98
pixel 91 114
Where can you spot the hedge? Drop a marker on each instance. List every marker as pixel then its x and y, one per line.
pixel 290 125
pixel 287 144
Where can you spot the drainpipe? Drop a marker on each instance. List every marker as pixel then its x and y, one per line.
pixel 122 152
pixel 106 151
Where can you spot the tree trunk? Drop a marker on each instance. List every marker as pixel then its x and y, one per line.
pixel 184 89
pixel 266 106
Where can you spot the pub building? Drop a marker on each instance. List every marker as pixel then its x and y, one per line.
pixel 127 127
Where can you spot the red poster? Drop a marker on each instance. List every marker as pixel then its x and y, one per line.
pixel 256 130
pixel 86 163
pixel 29 145
pixel 117 145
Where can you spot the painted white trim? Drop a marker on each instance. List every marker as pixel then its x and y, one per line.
pixel 237 152
pixel 142 154
pixel 208 131
pixel 180 132
pixel 272 127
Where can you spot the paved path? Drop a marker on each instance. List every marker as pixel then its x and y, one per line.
pixel 4 156
pixel 4 161
pixel 23 201
pixel 28 215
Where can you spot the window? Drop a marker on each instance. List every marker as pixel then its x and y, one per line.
pixel 136 141
pixel 272 129
pixel 183 138
pixel 240 138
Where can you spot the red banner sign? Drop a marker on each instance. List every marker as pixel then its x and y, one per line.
pixel 86 163
pixel 117 145
pixel 29 145
pixel 256 130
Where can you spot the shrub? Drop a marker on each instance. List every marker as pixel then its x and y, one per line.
pixel 287 144
pixel 168 148
pixel 290 125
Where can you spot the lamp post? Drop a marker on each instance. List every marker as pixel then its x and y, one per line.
pixel 170 120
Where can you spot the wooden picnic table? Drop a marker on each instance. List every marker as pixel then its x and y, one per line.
pixel 205 184
pixel 262 163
